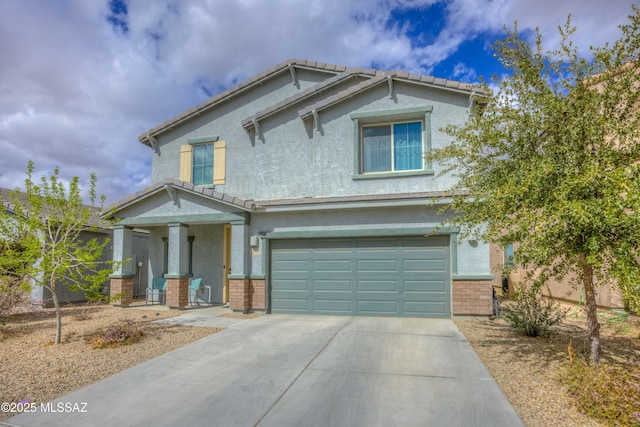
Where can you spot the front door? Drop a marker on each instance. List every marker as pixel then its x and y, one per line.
pixel 226 263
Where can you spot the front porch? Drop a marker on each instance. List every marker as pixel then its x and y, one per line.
pixel 193 233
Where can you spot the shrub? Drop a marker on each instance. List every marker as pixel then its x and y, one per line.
pixel 13 294
pixel 128 332
pixel 605 392
pixel 531 314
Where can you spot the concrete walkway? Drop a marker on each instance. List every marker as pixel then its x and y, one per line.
pixel 287 370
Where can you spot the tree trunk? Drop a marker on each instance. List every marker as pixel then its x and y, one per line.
pixel 56 304
pixel 593 326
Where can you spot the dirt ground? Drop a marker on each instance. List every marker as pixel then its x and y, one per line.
pixel 529 370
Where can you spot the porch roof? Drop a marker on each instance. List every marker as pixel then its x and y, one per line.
pixel 239 208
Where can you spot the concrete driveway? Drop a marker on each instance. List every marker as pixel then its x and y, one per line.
pixel 287 370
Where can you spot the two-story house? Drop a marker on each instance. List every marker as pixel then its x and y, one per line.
pixel 305 189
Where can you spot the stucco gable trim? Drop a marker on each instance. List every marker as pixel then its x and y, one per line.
pixel 388 78
pixel 172 185
pixel 260 78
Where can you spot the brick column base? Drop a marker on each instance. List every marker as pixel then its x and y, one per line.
pixel 258 297
pixel 123 286
pixel 177 293
pixel 472 297
pixel 240 295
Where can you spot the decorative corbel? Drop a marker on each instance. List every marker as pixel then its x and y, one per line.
pixel 292 70
pixel 173 194
pixel 154 143
pixel 256 127
pixel 390 82
pixel 316 120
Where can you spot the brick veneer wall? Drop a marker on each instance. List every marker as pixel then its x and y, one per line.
pixel 177 293
pixel 472 297
pixel 240 295
pixel 122 285
pixel 258 294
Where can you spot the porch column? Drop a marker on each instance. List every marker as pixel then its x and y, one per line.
pixel 121 281
pixel 177 292
pixel 239 283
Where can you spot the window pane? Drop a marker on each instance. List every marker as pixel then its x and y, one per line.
pixel 202 164
pixel 376 143
pixel 407 149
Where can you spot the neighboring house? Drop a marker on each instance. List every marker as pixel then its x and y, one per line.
pixel 305 190
pixel 607 295
pixel 101 231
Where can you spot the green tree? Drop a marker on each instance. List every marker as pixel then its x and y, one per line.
pixel 48 220
pixel 14 288
pixel 551 160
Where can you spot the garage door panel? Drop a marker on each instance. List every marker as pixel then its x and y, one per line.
pixel 291 265
pixel 377 286
pixel 377 265
pixel 299 305
pixel 332 285
pixel 422 244
pixel 332 266
pixel 373 307
pixel 333 306
pixel 425 265
pixel 425 286
pixel 390 276
pixel 434 309
pixel 331 245
pixel 377 245
pixel 291 284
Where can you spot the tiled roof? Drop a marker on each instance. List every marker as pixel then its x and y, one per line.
pixel 282 67
pixel 340 74
pixel 246 205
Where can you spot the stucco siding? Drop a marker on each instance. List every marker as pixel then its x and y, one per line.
pixel 224 120
pixel 290 159
pixel 472 258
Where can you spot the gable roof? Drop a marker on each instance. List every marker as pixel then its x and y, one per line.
pixel 168 185
pixel 339 74
pixel 389 77
pixel 288 66
pixel 351 73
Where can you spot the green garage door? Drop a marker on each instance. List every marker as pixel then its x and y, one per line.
pixel 387 276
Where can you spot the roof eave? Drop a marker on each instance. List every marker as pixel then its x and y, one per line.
pixel 237 90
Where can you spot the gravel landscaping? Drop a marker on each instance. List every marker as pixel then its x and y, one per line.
pixel 34 369
pixel 528 370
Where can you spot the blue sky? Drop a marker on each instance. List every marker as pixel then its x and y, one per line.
pixel 80 80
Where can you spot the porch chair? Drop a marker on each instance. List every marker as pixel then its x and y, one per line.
pixel 158 287
pixel 196 287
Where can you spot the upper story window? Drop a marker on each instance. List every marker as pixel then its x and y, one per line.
pixel 202 165
pixel 392 147
pixel 392 143
pixel 203 161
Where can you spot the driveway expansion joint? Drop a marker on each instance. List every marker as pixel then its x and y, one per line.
pixel 302 371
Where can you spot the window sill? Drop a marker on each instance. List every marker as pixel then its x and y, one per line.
pixel 381 175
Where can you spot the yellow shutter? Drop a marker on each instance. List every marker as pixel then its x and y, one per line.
pixel 219 161
pixel 186 158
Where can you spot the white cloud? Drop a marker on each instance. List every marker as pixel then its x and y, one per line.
pixel 77 90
